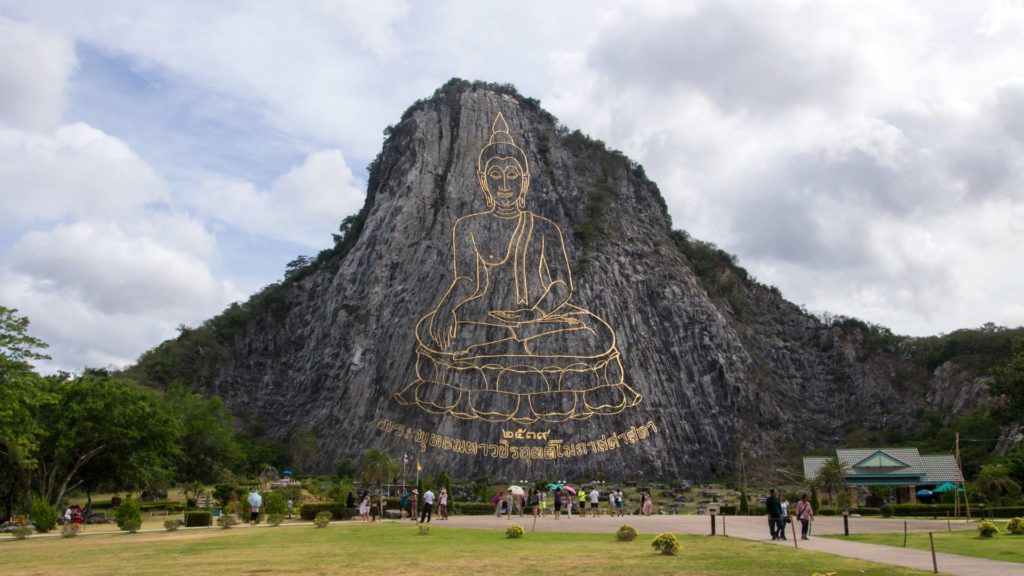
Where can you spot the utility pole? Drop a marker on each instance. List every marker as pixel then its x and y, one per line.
pixel 960 467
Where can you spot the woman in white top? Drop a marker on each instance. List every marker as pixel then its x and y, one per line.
pixel 364 508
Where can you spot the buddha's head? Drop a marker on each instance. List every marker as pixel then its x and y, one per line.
pixel 502 169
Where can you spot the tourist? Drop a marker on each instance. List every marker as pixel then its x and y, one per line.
pixel 535 502
pixel 646 503
pixel 582 509
pixel 774 508
pixel 558 503
pixel 595 498
pixel 255 501
pixel 543 503
pixel 784 504
pixel 804 513
pixel 442 504
pixel 414 501
pixel 364 507
pixel 428 505
pixel 568 503
pixel 403 505
pixel 499 502
pixel 350 500
pixel 291 507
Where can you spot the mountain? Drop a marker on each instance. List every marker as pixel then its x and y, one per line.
pixel 635 350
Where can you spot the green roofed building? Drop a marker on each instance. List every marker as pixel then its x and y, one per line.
pixel 905 470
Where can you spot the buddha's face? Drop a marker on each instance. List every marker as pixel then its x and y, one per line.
pixel 504 181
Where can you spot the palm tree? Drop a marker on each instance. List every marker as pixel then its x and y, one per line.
pixel 832 476
pixel 377 467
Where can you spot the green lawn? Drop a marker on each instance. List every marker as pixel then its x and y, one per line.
pixel 1003 546
pixel 394 549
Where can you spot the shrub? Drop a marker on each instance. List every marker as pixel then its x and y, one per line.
pixel 626 533
pixel 987 529
pixel 226 521
pixel 424 530
pixel 887 510
pixel 666 544
pixel 44 516
pixel 274 503
pixel 22 532
pixel 198 518
pixel 70 530
pixel 1015 525
pixel 337 509
pixel 172 525
pixel 128 515
pixel 514 531
pixel 322 519
pixel 275 519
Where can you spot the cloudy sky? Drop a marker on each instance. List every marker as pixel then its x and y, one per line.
pixel 159 160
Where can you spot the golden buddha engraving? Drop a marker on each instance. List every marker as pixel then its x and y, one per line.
pixel 505 342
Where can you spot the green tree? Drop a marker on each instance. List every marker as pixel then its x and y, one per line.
pixel 995 484
pixel 345 468
pixel 377 467
pixel 304 448
pixel 208 444
pixel 1008 385
pixel 744 503
pixel 832 477
pixel 103 432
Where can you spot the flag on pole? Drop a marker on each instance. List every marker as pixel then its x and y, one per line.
pixel 405 459
pixel 418 467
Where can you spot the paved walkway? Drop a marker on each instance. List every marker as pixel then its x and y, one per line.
pixel 754 528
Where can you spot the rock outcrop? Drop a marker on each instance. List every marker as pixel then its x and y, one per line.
pixel 719 360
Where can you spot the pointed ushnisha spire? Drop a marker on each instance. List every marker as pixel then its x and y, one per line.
pixel 499 131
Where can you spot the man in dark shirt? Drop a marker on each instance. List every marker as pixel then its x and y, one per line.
pixel 774 514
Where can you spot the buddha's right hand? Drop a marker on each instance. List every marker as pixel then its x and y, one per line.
pixel 443 328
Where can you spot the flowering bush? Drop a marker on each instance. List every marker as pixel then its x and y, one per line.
pixel 626 533
pixel 666 543
pixel 322 519
pixel 987 529
pixel 226 521
pixel 1015 525
pixel 514 531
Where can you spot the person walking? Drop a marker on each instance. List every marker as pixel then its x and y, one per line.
pixel 498 501
pixel 364 507
pixel 595 498
pixel 582 508
pixel 428 506
pixel 569 496
pixel 403 506
pixel 774 508
pixel 255 501
pixel 784 504
pixel 805 514
pixel 291 507
pixel 535 502
pixel 558 503
pixel 442 504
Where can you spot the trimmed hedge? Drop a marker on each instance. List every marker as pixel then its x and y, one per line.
pixel 337 509
pixel 195 518
pixel 471 508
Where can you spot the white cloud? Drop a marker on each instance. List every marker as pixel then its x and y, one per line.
pixel 34 66
pixel 303 206
pixel 77 172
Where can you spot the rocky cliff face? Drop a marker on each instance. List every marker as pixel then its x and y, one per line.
pixel 720 361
